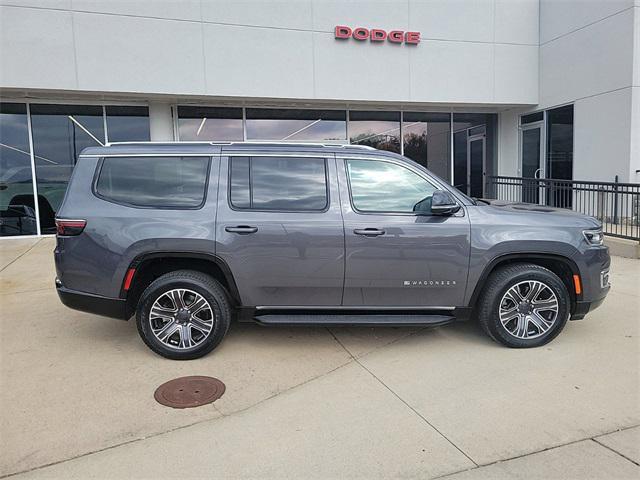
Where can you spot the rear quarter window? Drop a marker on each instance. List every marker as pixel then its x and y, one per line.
pixel 154 182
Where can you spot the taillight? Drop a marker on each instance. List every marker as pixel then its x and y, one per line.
pixel 69 228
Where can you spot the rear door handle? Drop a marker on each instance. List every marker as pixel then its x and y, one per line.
pixel 369 232
pixel 241 229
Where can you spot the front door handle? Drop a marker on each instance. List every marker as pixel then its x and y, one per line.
pixel 369 232
pixel 241 229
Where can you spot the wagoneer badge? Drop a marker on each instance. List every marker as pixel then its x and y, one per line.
pixel 429 283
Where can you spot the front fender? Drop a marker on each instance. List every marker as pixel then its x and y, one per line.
pixel 483 261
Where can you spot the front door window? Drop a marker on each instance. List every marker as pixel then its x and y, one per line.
pixel 386 187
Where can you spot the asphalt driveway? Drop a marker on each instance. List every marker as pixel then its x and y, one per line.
pixel 76 396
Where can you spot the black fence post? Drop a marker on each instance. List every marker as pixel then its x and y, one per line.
pixel 615 201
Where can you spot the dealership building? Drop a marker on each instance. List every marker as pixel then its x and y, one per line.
pixel 473 89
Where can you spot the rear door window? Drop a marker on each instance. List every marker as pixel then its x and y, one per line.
pixel 278 183
pixel 156 182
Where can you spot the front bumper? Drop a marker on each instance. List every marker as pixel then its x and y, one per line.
pixel 96 304
pixel 593 265
pixel 582 308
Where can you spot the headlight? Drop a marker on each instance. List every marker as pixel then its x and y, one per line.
pixel 593 237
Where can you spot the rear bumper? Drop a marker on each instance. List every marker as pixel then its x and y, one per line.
pixel 86 302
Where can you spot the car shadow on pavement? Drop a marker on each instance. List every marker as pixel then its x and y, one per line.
pixel 356 340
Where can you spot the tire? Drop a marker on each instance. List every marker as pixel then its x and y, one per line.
pixel 191 315
pixel 536 290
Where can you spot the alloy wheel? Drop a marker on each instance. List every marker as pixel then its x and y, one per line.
pixel 528 309
pixel 181 319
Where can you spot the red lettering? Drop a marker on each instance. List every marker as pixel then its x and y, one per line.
pixel 412 38
pixel 396 36
pixel 360 33
pixel 342 32
pixel 378 35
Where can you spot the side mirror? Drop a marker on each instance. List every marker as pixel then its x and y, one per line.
pixel 442 203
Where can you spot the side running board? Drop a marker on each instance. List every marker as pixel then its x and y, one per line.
pixel 357 319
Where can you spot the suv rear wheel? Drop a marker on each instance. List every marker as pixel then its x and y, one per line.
pixel 524 305
pixel 183 315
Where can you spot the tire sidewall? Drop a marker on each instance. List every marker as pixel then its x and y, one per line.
pixel 564 307
pixel 161 286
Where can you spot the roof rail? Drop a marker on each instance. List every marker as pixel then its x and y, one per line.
pixel 168 142
pixel 296 144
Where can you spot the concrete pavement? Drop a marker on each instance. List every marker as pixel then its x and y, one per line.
pixel 77 394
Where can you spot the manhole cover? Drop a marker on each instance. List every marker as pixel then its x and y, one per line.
pixel 187 392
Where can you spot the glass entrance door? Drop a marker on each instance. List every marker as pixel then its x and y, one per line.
pixel 476 153
pixel 532 162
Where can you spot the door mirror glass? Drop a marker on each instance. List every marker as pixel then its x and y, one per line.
pixel 443 203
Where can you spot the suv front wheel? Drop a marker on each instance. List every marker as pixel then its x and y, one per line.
pixel 183 315
pixel 524 305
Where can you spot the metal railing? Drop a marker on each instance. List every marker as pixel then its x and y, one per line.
pixel 615 204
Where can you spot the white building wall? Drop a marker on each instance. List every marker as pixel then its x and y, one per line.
pixel 508 143
pixel 508 56
pixel 602 136
pixel 472 51
pixel 586 58
pixel 160 122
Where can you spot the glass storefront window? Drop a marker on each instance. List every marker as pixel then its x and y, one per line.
pixel 60 133
pixel 560 143
pixel 17 206
pixel 379 130
pixel 127 124
pixel 210 124
pixel 296 125
pixel 427 141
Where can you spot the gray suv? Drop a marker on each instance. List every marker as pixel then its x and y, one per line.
pixel 189 236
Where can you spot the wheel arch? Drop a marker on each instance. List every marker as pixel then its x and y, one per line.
pixel 564 267
pixel 150 266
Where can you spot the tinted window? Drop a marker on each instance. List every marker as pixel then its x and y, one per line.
pixel 127 124
pixel 378 186
pixel 154 181
pixel 532 117
pixel 60 133
pixel 276 183
pixel 379 130
pixel 560 143
pixel 17 205
pixel 427 140
pixel 296 125
pixel 210 123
